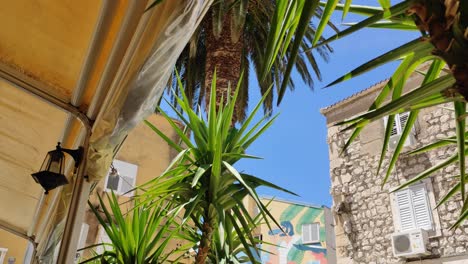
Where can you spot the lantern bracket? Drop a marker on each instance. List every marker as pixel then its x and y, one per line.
pixel 76 154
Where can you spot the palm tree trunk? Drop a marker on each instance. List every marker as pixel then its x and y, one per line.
pixel 224 55
pixel 438 18
pixel 205 242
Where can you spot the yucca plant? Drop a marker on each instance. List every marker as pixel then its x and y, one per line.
pixel 142 234
pixel 443 44
pixel 203 180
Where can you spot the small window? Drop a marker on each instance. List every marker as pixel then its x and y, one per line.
pixel 82 241
pixel 259 239
pixel 413 209
pixel 311 233
pixel 397 129
pixel 256 252
pixel 3 252
pixel 122 179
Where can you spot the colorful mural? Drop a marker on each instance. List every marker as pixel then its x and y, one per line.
pixel 286 247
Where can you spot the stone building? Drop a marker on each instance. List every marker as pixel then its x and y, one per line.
pixel 368 217
pixel 308 235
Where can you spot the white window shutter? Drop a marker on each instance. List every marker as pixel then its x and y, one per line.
pixel 413 208
pixel 421 206
pixel 315 232
pixel 311 233
pixel 103 238
pixel 83 235
pixel 399 123
pixel 306 235
pixel 403 119
pixel 126 179
pixel 395 130
pixel 405 210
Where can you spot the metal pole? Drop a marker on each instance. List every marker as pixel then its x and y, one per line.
pixel 76 209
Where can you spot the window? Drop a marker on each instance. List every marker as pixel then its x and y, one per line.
pixel 103 238
pixel 123 179
pixel 413 209
pixel 256 252
pixel 311 233
pixel 3 252
pixel 82 241
pixel 259 239
pixel 397 129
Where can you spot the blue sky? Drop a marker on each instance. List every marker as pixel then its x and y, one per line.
pixel 295 151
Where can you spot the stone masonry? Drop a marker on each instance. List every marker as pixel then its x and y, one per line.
pixel 362 209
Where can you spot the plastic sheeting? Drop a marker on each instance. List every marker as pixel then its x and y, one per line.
pixel 164 35
pixel 146 87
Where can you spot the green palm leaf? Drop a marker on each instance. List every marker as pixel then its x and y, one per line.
pixel 419 45
pixel 395 10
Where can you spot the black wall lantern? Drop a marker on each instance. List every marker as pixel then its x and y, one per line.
pixel 51 174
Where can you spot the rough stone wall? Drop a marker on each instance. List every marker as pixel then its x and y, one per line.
pixel 365 222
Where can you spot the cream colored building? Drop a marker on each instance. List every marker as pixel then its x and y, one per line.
pixel 147 156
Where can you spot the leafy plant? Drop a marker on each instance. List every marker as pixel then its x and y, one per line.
pixel 443 44
pixel 203 180
pixel 141 235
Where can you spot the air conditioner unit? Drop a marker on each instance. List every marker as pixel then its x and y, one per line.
pixel 410 243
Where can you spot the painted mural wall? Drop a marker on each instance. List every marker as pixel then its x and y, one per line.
pixel 287 247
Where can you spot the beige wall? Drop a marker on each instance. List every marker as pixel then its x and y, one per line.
pixel 16 246
pixel 144 148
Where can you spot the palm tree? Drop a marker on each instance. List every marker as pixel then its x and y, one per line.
pixel 444 42
pixel 234 36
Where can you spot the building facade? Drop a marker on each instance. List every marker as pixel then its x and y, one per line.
pixel 375 225
pixel 142 157
pixel 308 236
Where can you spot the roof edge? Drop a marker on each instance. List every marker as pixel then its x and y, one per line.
pixel 377 86
pixel 268 197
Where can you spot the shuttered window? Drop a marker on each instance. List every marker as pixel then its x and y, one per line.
pixel 123 180
pixel 397 128
pixel 311 233
pixel 399 123
pixel 413 208
pixel 82 241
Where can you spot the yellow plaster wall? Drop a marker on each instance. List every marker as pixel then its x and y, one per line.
pixel 38 29
pixel 150 153
pixel 16 246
